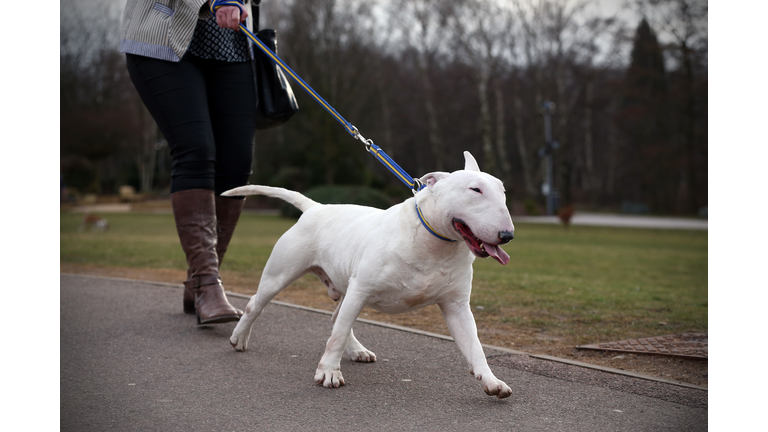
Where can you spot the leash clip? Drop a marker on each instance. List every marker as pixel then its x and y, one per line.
pixel 357 135
pixel 417 186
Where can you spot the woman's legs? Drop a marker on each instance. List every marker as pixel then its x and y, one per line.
pixel 206 111
pixel 188 100
pixel 175 94
pixel 232 103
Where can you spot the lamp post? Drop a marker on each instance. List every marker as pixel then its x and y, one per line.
pixel 548 108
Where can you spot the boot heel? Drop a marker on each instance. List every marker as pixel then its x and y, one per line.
pixel 189 307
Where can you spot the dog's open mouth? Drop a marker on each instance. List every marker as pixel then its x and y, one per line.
pixel 480 249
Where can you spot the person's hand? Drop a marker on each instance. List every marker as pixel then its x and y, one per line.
pixel 230 17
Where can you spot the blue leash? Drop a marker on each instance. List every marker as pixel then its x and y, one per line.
pixel 413 183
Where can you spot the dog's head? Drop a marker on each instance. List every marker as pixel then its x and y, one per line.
pixel 473 204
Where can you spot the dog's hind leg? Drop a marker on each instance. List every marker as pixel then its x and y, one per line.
pixel 279 272
pixel 269 287
pixel 355 350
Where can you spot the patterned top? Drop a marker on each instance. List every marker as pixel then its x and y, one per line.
pixel 160 30
pixel 213 42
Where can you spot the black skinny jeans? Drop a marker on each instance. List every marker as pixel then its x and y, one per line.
pixel 205 109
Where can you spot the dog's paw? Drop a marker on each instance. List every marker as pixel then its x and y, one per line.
pixel 361 355
pixel 239 343
pixel 329 378
pixel 496 387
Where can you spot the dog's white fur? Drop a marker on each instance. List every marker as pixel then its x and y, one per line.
pixel 387 260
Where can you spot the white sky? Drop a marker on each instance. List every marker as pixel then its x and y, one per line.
pixel 608 6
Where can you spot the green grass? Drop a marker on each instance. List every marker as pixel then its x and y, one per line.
pixel 586 284
pixel 585 281
pixel 150 241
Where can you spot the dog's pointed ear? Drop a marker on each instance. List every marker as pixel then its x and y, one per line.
pixel 470 164
pixel 430 179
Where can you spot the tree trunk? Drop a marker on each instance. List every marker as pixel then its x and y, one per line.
pixel 501 144
pixel 489 159
pixel 435 139
pixel 688 131
pixel 522 149
pixel 386 116
pixel 613 160
pixel 147 157
pixel 589 178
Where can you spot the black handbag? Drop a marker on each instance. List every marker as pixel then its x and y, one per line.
pixel 275 101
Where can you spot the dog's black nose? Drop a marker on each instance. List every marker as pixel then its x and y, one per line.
pixel 506 236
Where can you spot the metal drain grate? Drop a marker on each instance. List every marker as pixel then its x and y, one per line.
pixel 689 345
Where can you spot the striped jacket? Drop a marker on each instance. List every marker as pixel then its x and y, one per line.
pixel 161 29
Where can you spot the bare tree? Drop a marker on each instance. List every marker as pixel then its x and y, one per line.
pixel 561 49
pixel 421 27
pixel 683 24
pixel 520 138
pixel 146 157
pixel 328 43
pixel 483 30
pixel 424 78
pixel 100 110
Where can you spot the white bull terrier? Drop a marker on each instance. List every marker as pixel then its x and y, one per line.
pixel 395 260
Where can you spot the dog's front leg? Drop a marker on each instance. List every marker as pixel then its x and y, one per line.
pixel 355 350
pixel 461 324
pixel 328 372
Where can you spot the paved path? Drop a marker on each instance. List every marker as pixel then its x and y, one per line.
pixel 132 361
pixel 619 220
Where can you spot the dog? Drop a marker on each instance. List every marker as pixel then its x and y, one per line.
pixel 93 222
pixel 414 254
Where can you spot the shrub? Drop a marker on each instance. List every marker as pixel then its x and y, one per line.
pixel 531 208
pixel 634 208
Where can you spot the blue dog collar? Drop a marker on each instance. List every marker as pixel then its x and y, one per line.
pixel 429 228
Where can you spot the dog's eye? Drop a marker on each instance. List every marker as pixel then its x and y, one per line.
pixel 476 190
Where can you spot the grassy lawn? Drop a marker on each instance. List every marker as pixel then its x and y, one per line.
pixel 562 287
pixel 598 284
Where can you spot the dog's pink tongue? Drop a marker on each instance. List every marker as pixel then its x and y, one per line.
pixel 497 253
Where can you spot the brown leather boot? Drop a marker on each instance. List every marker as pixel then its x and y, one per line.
pixel 228 212
pixel 195 214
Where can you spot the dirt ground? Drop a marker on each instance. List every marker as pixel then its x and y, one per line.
pixel 308 292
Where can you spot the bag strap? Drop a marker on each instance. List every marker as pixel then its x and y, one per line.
pixel 255 15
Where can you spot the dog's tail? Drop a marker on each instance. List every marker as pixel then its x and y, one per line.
pixel 298 200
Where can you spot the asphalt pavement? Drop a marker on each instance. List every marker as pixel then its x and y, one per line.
pixel 131 360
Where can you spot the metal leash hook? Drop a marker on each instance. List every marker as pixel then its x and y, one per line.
pixel 368 142
pixel 415 184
